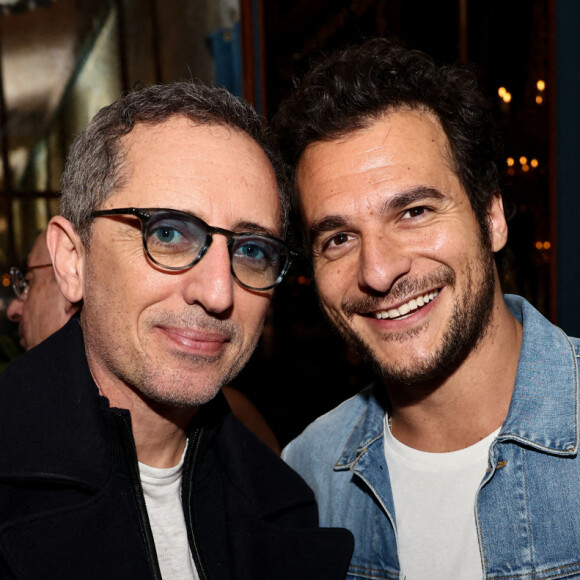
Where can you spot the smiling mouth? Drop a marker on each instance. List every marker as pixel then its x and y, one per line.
pixel 405 309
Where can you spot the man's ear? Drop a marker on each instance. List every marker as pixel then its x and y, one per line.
pixel 498 229
pixel 67 253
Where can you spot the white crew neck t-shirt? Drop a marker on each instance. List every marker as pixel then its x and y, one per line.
pixel 434 497
pixel 162 490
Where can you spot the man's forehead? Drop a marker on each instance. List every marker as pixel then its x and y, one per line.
pixel 179 133
pixel 409 139
pixel 379 128
pixel 199 168
pixel 175 129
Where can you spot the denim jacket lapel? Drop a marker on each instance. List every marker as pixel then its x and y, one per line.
pixel 543 411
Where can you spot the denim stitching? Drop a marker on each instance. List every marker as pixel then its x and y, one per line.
pixel 371 573
pixel 535 574
pixel 527 508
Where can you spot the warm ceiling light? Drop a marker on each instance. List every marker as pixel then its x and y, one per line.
pixel 534 163
pixel 510 161
pixel 541 85
pixel 501 91
pixel 507 97
pixel 523 160
pixel 539 100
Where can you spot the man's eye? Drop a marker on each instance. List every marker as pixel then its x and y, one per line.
pixel 337 240
pixel 167 235
pixel 414 212
pixel 255 251
pixel 335 246
pixel 170 239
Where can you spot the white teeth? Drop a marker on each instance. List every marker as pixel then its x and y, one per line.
pixel 410 306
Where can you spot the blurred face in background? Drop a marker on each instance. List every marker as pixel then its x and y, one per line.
pixel 42 310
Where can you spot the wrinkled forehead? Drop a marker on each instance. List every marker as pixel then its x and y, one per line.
pixel 403 144
pixel 213 171
pixel 382 130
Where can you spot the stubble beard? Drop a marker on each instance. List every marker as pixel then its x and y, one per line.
pixel 173 385
pixel 177 379
pixel 468 323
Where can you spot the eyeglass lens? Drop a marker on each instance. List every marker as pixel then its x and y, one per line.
pixel 177 240
pixel 19 283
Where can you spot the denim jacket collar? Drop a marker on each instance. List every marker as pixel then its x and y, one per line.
pixel 547 358
pixel 547 423
pixel 367 432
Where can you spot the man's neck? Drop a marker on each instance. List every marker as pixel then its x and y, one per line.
pixel 159 430
pixel 471 402
pixel 160 438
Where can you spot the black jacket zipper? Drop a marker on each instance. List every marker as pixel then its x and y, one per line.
pixel 186 496
pixel 130 453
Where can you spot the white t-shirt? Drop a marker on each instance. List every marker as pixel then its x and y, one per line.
pixel 162 490
pixel 434 497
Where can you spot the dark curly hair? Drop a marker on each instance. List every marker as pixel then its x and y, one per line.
pixel 96 160
pixel 353 88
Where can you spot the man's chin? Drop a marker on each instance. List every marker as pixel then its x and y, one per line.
pixel 180 386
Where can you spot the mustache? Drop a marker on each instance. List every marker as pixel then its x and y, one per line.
pixel 194 319
pixel 401 290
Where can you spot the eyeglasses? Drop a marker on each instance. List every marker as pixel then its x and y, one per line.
pixel 20 284
pixel 177 240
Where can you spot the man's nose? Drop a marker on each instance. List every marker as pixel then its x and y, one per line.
pixel 382 262
pixel 210 282
pixel 14 311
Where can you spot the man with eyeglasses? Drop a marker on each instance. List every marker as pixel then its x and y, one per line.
pixel 119 458
pixel 39 307
pixel 40 310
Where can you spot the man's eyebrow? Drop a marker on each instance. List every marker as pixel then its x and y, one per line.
pixel 326 224
pixel 256 229
pixel 405 198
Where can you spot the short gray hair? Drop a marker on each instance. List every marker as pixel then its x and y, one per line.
pixel 94 166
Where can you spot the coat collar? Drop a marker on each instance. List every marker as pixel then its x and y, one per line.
pixel 51 414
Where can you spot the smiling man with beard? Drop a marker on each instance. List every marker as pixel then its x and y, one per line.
pixel 461 461
pixel 119 456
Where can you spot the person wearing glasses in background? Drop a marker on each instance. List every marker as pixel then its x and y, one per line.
pixel 39 306
pixel 119 457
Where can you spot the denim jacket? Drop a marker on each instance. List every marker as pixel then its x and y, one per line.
pixel 527 507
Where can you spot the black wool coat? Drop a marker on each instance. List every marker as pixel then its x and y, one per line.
pixel 71 504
